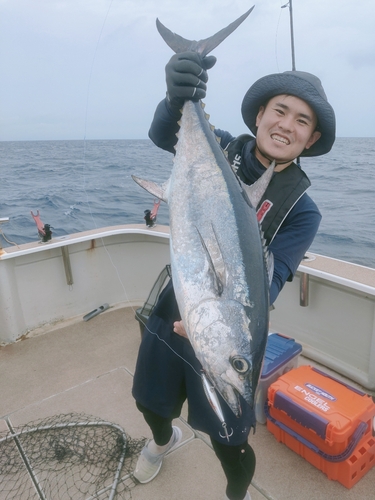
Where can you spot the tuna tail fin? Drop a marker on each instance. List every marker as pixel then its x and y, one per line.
pixel 179 44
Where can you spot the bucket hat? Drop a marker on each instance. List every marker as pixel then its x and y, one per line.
pixel 299 84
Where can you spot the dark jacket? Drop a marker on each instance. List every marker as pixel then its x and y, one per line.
pixel 297 230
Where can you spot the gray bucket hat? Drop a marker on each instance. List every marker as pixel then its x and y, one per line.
pixel 299 84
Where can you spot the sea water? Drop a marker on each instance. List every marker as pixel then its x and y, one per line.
pixel 81 185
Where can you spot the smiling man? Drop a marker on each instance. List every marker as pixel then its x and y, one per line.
pixel 289 116
pixel 285 126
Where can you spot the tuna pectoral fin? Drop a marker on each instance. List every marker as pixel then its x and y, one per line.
pixel 179 44
pixel 160 191
pixel 256 191
pixel 215 263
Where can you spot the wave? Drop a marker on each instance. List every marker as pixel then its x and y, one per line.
pixel 80 185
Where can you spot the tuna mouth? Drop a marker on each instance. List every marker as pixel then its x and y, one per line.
pixel 280 138
pixel 232 395
pixel 234 402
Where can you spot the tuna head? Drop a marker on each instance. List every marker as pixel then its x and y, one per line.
pixel 227 346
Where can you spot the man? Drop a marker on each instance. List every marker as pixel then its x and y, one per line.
pixel 290 116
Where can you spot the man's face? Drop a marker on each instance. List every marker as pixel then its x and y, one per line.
pixel 286 126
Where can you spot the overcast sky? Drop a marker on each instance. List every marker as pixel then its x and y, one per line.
pixel 94 69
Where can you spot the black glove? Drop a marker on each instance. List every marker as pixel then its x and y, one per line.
pixel 186 77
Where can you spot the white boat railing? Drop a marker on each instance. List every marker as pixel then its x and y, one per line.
pixel 329 307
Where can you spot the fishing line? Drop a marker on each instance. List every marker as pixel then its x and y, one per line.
pixel 276 35
pixel 86 112
pixel 171 348
pixel 88 200
pixel 85 151
pixel 84 145
pixel 92 67
pixel 84 168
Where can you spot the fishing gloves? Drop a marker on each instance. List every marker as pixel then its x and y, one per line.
pixel 186 77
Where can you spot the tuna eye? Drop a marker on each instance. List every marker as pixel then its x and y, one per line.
pixel 241 365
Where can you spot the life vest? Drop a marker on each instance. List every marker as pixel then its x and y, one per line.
pixel 282 193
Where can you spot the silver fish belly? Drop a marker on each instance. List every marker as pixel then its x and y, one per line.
pixel 218 261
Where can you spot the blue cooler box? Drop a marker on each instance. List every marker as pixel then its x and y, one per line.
pixel 281 356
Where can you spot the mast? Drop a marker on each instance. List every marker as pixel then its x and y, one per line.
pixel 290 5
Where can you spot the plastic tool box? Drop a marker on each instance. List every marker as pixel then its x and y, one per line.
pixel 329 423
pixel 281 356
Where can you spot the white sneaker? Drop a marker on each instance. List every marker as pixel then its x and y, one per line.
pixel 149 464
pixel 247 497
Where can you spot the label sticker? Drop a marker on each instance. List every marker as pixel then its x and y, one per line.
pixel 313 399
pixel 320 392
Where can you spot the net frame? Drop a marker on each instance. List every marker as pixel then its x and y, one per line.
pixel 67 457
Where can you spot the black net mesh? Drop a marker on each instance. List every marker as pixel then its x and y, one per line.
pixel 65 457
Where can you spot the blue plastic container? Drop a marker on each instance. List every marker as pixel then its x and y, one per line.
pixel 281 356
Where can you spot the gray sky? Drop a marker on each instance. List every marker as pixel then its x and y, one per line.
pixel 94 69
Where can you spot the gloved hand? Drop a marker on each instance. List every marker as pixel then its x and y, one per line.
pixel 186 77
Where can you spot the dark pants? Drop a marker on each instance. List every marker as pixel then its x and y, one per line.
pixel 167 374
pixel 238 462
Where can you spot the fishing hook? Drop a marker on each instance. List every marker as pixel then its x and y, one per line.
pixel 215 404
pixel 226 435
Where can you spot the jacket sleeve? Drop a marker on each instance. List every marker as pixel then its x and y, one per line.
pixel 292 241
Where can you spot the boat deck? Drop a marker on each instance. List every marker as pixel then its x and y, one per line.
pixel 87 367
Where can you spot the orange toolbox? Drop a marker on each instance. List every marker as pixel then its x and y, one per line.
pixel 329 423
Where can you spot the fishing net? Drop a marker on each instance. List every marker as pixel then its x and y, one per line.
pixel 66 457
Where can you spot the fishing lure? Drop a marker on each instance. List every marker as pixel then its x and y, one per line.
pixel 215 404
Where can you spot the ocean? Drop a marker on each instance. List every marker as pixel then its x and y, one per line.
pixel 81 185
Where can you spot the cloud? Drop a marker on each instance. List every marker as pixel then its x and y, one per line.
pixel 71 67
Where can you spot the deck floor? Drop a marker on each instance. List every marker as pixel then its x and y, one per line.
pixel 87 367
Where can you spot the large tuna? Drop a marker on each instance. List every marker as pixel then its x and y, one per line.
pixel 218 257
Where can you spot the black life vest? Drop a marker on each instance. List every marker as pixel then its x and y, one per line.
pixel 282 193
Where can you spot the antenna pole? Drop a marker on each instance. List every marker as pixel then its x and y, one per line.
pixel 292 35
pixel 290 5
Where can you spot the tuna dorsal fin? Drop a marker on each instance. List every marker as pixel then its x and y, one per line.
pixel 179 44
pixel 160 191
pixel 216 263
pixel 257 190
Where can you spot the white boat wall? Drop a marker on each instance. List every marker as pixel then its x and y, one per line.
pixel 329 307
pixel 42 284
